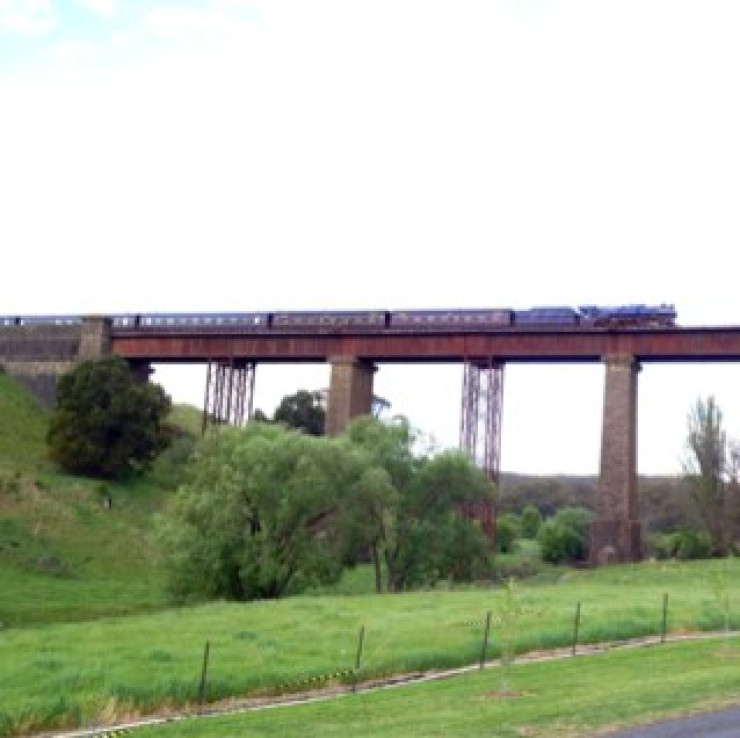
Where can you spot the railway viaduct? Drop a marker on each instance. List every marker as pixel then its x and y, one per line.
pixel 36 355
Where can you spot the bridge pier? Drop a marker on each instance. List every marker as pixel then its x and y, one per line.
pixel 95 337
pixel 480 430
pixel 229 392
pixel 350 392
pixel 615 534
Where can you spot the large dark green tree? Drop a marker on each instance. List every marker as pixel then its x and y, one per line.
pixel 107 423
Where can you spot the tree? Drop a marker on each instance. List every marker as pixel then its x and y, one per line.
pixel 257 517
pixel 303 410
pixel 707 470
pixel 106 422
pixel 408 512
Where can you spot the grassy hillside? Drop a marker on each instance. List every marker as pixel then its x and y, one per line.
pixel 64 555
pixel 22 428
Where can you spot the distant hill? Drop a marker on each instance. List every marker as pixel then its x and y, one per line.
pixel 664 500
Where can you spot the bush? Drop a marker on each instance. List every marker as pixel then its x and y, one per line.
pixel 507 531
pixel 170 467
pixel 530 522
pixel 565 536
pixel 684 544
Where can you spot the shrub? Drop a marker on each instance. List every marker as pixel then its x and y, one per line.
pixel 507 531
pixel 530 522
pixel 565 536
pixel 684 544
pixel 170 467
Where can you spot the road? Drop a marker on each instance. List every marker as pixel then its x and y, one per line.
pixel 720 724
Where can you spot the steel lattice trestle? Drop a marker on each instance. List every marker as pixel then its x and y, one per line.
pixel 229 392
pixel 482 401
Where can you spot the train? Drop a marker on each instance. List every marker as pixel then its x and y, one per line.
pixel 486 319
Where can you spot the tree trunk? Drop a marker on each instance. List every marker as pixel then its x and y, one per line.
pixel 376 566
pixel 392 584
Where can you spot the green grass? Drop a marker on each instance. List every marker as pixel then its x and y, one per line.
pixel 22 430
pixel 570 697
pixel 187 418
pixel 63 556
pixel 128 665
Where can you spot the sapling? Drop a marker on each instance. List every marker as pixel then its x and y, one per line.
pixel 507 616
pixel 720 583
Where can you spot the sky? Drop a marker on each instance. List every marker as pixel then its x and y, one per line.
pixel 344 154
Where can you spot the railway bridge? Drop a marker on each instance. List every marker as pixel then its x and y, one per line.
pixel 35 354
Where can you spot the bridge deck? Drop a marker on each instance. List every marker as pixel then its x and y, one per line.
pixel 562 345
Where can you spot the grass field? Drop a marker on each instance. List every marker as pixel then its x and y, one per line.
pixel 71 673
pixel 585 696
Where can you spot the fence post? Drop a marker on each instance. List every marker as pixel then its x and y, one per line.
pixel 576 624
pixel 358 657
pixel 486 631
pixel 664 627
pixel 204 675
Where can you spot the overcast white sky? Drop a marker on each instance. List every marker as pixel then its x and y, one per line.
pixel 307 154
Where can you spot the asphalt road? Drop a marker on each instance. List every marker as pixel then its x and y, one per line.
pixel 721 724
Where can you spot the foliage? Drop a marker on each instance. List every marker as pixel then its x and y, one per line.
pixel 507 531
pixel 564 537
pixel 408 510
pixel 107 423
pixel 665 501
pixel 684 544
pixel 170 467
pixel 708 470
pixel 530 522
pixel 303 410
pixel 256 518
